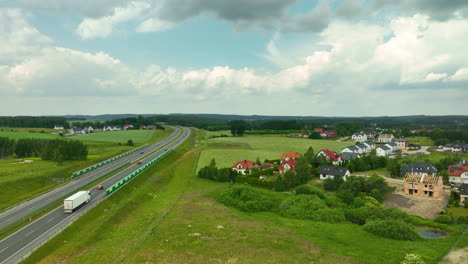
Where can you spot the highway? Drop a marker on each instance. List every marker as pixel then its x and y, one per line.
pixel 20 244
pixel 27 208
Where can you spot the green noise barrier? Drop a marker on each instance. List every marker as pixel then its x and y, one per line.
pixel 100 164
pixel 135 173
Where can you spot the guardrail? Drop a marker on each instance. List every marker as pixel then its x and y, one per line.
pixel 135 173
pixel 100 164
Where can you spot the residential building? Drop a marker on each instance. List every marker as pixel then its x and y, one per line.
pixel 320 130
pixel 330 133
pixel 350 149
pixel 88 129
pixel 385 138
pixel 290 155
pixel 112 128
pixel 244 166
pixel 422 168
pixel 458 174
pixel 401 143
pixel 58 127
pixel 393 146
pixel 457 148
pixel 329 172
pixel 370 145
pixel 267 166
pixel 364 148
pixel 76 130
pixel 383 151
pixel 423 185
pixel 143 127
pixel 413 147
pixel 359 137
pixel 286 165
pixel 370 133
pixel 463 193
pixel 127 126
pixel 347 156
pixel 330 155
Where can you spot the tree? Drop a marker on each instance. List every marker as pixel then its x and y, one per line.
pixel 403 170
pixel 309 155
pixel 315 135
pixel 290 179
pixel 279 184
pixel 398 154
pixel 130 142
pixel 238 127
pixel 334 183
pixel 303 171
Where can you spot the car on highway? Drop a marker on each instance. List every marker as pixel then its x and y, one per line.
pixel 142 152
pixel 139 163
pixel 99 187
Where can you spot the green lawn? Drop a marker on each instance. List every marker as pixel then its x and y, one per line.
pixel 19 135
pixel 166 215
pixel 263 147
pixel 456 212
pixel 137 136
pixel 422 141
pixel 433 157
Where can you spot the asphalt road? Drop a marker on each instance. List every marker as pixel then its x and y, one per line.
pixel 25 209
pixel 18 245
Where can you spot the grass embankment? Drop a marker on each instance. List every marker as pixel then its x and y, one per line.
pixel 137 136
pixel 263 147
pixel 166 215
pixel 20 181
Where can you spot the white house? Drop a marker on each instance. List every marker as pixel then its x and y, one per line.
pixel 58 127
pixel 350 149
pixel 385 138
pixel 383 151
pixel 76 130
pixel 112 128
pixel 364 148
pixel 393 146
pixel 88 129
pixel 359 137
pixel 458 174
pixel 370 145
pixel 329 172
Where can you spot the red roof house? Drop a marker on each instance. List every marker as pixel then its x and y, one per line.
pixel 286 165
pixel 127 126
pixel 458 174
pixel 290 155
pixel 244 166
pixel 330 155
pixel 320 130
pixel 267 165
pixel 330 133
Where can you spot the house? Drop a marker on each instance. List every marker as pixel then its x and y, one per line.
pixel 330 155
pixel 393 146
pixel 330 133
pixel 370 133
pixel 58 127
pixel 413 147
pixel 385 138
pixel 364 148
pixel 320 130
pixel 423 185
pixel 306 134
pixel 88 129
pixel 350 149
pixel 143 127
pixel 347 156
pixel 127 126
pixel 112 128
pixel 463 148
pixel 370 145
pixel 267 166
pixel 458 174
pixel 463 193
pixel 359 137
pixel 383 151
pixel 244 166
pixel 401 143
pixel 329 172
pixel 151 127
pixel 290 155
pixel 286 165
pixel 76 130
pixel 422 168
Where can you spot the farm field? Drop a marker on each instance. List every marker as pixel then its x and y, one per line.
pixel 137 136
pixel 19 135
pixel 172 218
pixel 263 147
pixel 422 141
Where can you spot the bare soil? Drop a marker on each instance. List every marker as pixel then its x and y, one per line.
pixel 457 256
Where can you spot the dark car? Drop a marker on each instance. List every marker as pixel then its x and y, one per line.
pixel 99 187
pixel 142 152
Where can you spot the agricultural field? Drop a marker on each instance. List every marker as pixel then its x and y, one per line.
pixel 19 135
pixel 422 141
pixel 137 136
pixel 29 129
pixel 228 150
pixel 167 215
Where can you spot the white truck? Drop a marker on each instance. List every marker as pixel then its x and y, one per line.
pixel 75 201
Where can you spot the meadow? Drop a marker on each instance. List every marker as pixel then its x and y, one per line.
pixel 226 153
pixel 20 135
pixel 422 141
pixel 137 136
pixel 167 215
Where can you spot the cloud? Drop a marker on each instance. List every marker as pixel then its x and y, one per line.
pixel 314 21
pixel 154 25
pixel 435 9
pixel 351 9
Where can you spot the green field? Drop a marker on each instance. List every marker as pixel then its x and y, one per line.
pixel 422 141
pixel 137 136
pixel 166 215
pixel 19 135
pixel 263 147
pixel 433 157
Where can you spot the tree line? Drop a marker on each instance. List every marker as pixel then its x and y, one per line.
pixel 33 121
pixel 48 149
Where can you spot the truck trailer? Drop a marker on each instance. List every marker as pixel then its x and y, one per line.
pixel 75 201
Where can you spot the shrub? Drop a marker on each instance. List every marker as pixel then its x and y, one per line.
pixel 465 205
pixel 463 219
pixel 329 215
pixel 412 259
pixel 307 189
pixel 364 214
pixel 393 229
pixel 334 201
pixel 302 206
pixel 245 198
pixel 444 219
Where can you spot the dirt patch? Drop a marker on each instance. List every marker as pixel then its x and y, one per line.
pixel 424 207
pixel 457 256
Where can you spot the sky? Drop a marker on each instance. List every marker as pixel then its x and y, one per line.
pixel 262 57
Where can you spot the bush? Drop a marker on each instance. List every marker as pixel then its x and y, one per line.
pixel 412 259
pixel 302 206
pixel 245 198
pixel 329 215
pixel 307 189
pixel 393 229
pixel 334 201
pixel 367 213
pixel 444 219
pixel 463 219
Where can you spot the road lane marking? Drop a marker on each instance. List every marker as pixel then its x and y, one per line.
pixel 51 219
pixel 29 233
pixel 3 249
